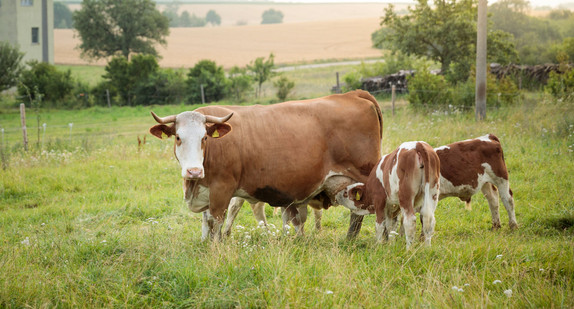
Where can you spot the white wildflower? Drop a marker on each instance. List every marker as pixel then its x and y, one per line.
pixel 460 290
pixel 328 292
pixel 466 284
pixel 499 256
pixel 240 227
pixel 508 292
pixel 541 269
pixel 43 224
pixel 104 241
pixel 455 288
pixel 26 241
pixel 496 282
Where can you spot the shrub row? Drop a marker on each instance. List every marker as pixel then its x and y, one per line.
pixel 140 81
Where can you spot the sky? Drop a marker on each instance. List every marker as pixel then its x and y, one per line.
pixel 533 3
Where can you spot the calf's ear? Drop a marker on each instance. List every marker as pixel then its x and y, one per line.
pixel 161 130
pixel 218 130
pixel 356 193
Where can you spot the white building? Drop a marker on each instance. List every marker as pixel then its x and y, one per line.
pixel 29 25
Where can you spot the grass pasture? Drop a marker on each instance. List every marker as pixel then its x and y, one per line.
pixel 104 226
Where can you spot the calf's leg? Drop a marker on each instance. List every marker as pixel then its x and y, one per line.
pixel 489 192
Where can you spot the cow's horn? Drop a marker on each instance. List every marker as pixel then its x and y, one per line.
pixel 213 119
pixel 164 120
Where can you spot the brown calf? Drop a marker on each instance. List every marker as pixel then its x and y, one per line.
pixel 477 164
pixel 408 177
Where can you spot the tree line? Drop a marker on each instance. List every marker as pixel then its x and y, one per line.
pixel 63 17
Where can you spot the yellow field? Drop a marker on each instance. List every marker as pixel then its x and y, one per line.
pixel 309 32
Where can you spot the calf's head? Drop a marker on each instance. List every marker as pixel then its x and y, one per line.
pixel 353 197
pixel 191 130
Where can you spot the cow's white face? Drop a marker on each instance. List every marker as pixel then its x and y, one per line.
pixel 191 130
pixel 190 140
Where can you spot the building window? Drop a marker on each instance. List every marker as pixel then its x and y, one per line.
pixel 35 37
pixel 26 2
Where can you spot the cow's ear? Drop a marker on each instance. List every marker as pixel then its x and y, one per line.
pixel 161 130
pixel 218 130
pixel 356 193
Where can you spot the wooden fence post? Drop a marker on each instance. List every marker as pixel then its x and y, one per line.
pixel 202 95
pixel 4 165
pixel 23 121
pixel 393 96
pixel 108 97
pixel 338 84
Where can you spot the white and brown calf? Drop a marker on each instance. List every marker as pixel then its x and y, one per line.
pixel 474 165
pixel 408 177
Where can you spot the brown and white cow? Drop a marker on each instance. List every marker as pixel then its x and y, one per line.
pixel 408 177
pixel 284 154
pixel 474 165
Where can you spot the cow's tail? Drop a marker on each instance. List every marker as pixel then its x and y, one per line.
pixel 428 160
pixel 368 96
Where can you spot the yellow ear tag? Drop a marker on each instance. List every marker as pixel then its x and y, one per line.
pixel 215 134
pixel 358 196
pixel 163 135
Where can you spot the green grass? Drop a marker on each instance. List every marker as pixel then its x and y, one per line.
pixel 99 222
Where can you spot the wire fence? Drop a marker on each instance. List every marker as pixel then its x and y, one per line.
pixel 63 135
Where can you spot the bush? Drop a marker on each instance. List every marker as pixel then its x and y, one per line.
pixel 10 65
pixel 272 16
pixel 240 83
pixel 284 86
pixel 42 81
pixel 503 92
pixel 211 76
pixel 161 87
pixel 352 81
pixel 561 85
pixel 428 90
pixel 124 76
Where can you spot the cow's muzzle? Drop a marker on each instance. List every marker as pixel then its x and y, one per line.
pixel 194 173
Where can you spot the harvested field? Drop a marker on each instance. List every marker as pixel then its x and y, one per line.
pixel 309 33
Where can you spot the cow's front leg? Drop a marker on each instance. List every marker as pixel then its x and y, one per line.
pixel 219 199
pixel 206 225
pixel 232 211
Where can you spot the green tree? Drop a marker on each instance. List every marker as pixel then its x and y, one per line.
pixel 262 70
pixel 62 16
pixel 532 36
pixel 213 18
pixel 185 19
pixel 123 76
pixel 196 21
pixel 109 27
pixel 211 76
pixel 239 83
pixel 284 87
pixel 10 65
pixel 272 16
pixel 445 33
pixel 161 87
